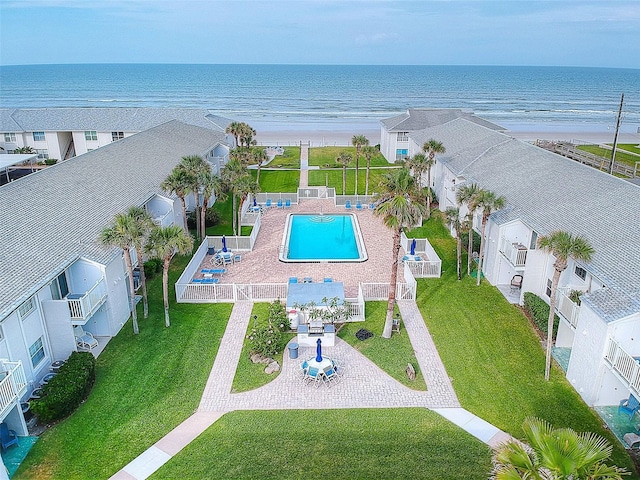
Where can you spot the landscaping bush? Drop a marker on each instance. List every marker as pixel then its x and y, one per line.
pixel 476 241
pixel 278 316
pixel 51 161
pixel 211 218
pixel 152 267
pixel 538 309
pixel 68 389
pixel 266 339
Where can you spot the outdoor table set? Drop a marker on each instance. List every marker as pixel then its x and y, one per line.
pixel 320 370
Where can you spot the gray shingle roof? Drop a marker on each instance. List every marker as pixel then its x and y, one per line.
pixel 56 215
pixel 420 118
pixel 549 192
pixel 103 119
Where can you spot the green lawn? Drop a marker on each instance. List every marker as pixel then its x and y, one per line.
pixel 406 443
pixel 334 179
pixel 392 355
pixel 493 356
pixel 278 181
pixel 621 157
pixel 145 386
pixel 326 157
pixel 290 159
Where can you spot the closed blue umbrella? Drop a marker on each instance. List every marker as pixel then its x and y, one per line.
pixel 413 247
pixel 255 203
pixel 319 351
pixel 224 243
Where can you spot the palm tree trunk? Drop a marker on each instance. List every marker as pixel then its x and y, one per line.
pixel 388 322
pixel 366 182
pixel 203 217
pixel 132 292
pixel 240 215
pixel 143 283
pixel 470 245
pixel 344 180
pixel 479 275
pixel 357 164
pixel 165 289
pixel 258 174
pixel 550 321
pixel 184 213
pixel 428 192
pixel 459 252
pixel 233 215
pixel 197 197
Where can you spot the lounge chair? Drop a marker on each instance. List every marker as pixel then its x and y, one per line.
pixel 7 437
pixel 347 205
pixel 197 280
pixel 328 280
pixel 629 406
pixel 287 203
pixel 293 279
pixel 307 280
pixel 210 280
pixel 217 271
pixel 279 204
pixel 358 206
pixel 84 340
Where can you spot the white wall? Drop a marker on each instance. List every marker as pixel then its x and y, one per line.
pixel 117 303
pixel 58 320
pixel 82 275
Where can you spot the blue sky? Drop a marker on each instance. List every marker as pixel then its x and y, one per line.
pixel 480 32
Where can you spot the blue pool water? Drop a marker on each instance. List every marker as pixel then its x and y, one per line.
pixel 322 238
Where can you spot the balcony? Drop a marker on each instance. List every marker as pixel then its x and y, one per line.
pixel 566 307
pixel 12 386
pixel 164 220
pixel 516 253
pixel 83 305
pixel 624 365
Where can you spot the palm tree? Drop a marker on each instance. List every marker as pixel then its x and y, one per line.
pixel 368 151
pixel 418 165
pixel 235 176
pixel 431 147
pixel 344 159
pixel 235 129
pixel 358 141
pixel 141 227
pixel 242 187
pixel 469 194
pixel 488 203
pixel 563 246
pixel 246 135
pixel 452 215
pixel 24 150
pixel 178 182
pixel 121 234
pixel 164 243
pixel 399 205
pixel 555 453
pixel 258 156
pixel 211 185
pixel 194 165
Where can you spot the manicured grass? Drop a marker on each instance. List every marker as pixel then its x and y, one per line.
pixel 319 177
pixel 392 355
pixel 278 181
pixel 251 375
pixel 494 358
pixel 290 159
pixel 329 444
pixel 326 157
pixel 145 386
pixel 621 157
pixel 225 225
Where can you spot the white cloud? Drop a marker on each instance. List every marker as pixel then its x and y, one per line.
pixel 377 38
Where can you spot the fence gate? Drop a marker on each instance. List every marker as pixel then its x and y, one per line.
pixel 243 292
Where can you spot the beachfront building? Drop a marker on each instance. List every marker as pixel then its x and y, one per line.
pixel 62 133
pixel 599 301
pixel 56 275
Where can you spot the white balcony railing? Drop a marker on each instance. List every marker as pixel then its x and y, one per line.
pixel 12 386
pixel 164 220
pixel 567 308
pixel 624 364
pixel 516 253
pixel 85 305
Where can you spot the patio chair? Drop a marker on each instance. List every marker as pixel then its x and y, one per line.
pixel 372 206
pixel 7 437
pixel 307 280
pixel 279 204
pixel 516 283
pixel 313 375
pixel 293 279
pixel 267 203
pixel 358 206
pixel 330 375
pixel 347 205
pixel 629 406
pixel 396 324
pixel 328 280
pixel 237 258
pixel 84 340
pixel 287 203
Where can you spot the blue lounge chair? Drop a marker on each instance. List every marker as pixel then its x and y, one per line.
pixel 197 280
pixel 328 279
pixel 217 271
pixel 347 205
pixel 7 437
pixel 293 280
pixel 210 280
pixel 629 406
pixel 287 203
pixel 279 204
pixel 358 206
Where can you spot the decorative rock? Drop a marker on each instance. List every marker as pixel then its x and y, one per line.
pixel 260 358
pixel 411 372
pixel 272 367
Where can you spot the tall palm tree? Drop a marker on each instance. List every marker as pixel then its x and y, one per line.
pixel 469 194
pixel 235 129
pixel 399 205
pixel 164 243
pixel 431 147
pixel 368 151
pixel 358 141
pixel 246 135
pixel 452 215
pixel 258 156
pixel 211 185
pixel 120 234
pixel 418 165
pixel 141 227
pixel 488 202
pixel 242 187
pixel 344 159
pixel 555 453
pixel 562 245
pixel 178 182
pixel 233 175
pixel 194 165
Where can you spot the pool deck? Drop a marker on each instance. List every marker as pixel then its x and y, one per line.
pixel 262 265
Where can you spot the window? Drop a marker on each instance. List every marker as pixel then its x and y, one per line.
pixel 580 272
pixel 38 136
pixel 59 287
pixel 548 292
pixel 402 153
pixel 42 153
pixel 90 135
pixel 402 136
pixel 534 241
pixel 26 308
pixel 10 137
pixel 36 351
pixel 115 136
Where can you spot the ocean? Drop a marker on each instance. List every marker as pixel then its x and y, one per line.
pixel 332 96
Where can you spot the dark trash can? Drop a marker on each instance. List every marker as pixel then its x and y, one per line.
pixel 293 350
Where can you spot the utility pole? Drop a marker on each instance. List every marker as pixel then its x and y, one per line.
pixel 615 138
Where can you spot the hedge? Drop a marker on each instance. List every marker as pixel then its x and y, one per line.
pixel 539 311
pixel 68 389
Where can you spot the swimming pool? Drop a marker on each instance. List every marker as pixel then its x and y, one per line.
pixel 322 238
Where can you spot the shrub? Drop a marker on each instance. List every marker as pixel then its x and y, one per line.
pixel 266 339
pixel 538 309
pixel 68 389
pixel 476 241
pixel 211 218
pixel 278 316
pixel 152 267
pixel 51 161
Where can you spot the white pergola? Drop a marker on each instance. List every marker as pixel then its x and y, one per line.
pixel 8 160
